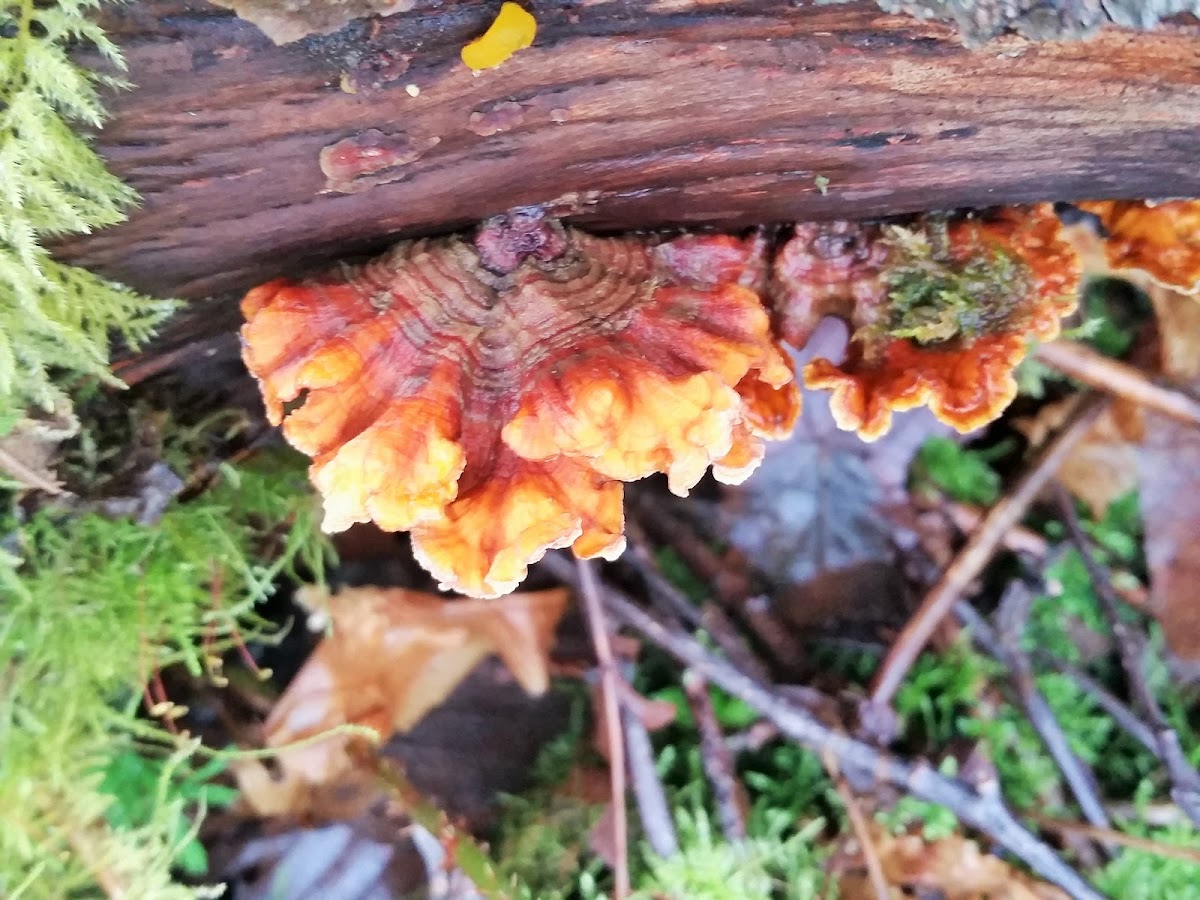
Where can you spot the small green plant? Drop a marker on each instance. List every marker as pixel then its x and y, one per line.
pixel 92 607
pixel 144 782
pixel 55 320
pixel 964 475
pixel 773 865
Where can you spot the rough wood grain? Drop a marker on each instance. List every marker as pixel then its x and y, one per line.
pixel 623 114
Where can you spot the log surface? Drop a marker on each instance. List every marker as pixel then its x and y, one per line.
pixel 622 115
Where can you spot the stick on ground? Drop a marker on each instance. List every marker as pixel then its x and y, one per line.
pixel 1131 647
pixel 982 810
pixel 589 590
pixel 1120 379
pixel 717 759
pixel 979 548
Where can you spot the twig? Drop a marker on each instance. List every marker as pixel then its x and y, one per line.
pixel 862 831
pixel 717 759
pixel 772 633
pixel 1131 647
pixel 1112 376
pixel 1078 775
pixel 731 591
pixel 730 586
pixel 979 548
pixel 663 594
pixel 648 791
pixel 594 609
pixel 966 518
pixel 1121 714
pixel 711 617
pixel 1112 836
pixel 982 810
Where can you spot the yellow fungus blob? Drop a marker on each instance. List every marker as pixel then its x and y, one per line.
pixel 513 30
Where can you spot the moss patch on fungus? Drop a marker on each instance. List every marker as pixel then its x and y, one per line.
pixel 934 298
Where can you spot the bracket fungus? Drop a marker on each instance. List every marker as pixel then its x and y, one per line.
pixel 491 394
pixel 940 315
pixel 1160 239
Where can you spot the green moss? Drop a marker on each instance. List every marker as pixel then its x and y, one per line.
pixel 55 320
pixel 92 606
pixel 933 298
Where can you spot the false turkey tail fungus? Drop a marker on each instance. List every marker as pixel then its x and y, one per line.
pixel 1160 239
pixel 490 395
pixel 940 314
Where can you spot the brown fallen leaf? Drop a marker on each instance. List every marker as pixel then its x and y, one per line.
pixel 29 447
pixel 1169 472
pixel 953 867
pixel 394 654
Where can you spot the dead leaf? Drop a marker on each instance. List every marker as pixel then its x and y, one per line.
pixel 394 654
pixel 29 449
pixel 954 867
pixel 813 510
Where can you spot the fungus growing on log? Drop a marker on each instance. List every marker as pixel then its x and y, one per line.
pixel 1160 239
pixel 513 29
pixel 940 315
pixel 490 395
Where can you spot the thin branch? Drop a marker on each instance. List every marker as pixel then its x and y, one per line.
pixel 1121 714
pixel 966 518
pixel 1078 775
pixel 983 810
pixel 1112 836
pixel 862 831
pixel 979 548
pixel 1120 379
pixel 1131 647
pixel 711 617
pixel 686 534
pixel 717 759
pixel 589 588
pixel 648 791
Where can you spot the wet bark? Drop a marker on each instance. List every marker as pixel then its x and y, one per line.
pixel 623 115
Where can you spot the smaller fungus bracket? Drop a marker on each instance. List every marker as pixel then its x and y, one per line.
pixel 491 394
pixel 941 313
pixel 1161 239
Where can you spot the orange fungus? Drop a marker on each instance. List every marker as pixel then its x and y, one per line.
pixel 1160 239
pixel 940 314
pixel 490 395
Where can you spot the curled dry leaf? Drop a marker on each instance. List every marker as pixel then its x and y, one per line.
pixel 393 654
pixel 491 395
pixel 1160 239
pixel 941 315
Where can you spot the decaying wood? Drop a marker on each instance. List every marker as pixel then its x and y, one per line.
pixel 622 115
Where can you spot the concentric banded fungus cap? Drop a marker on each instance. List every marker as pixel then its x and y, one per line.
pixel 1159 239
pixel 941 314
pixel 490 395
